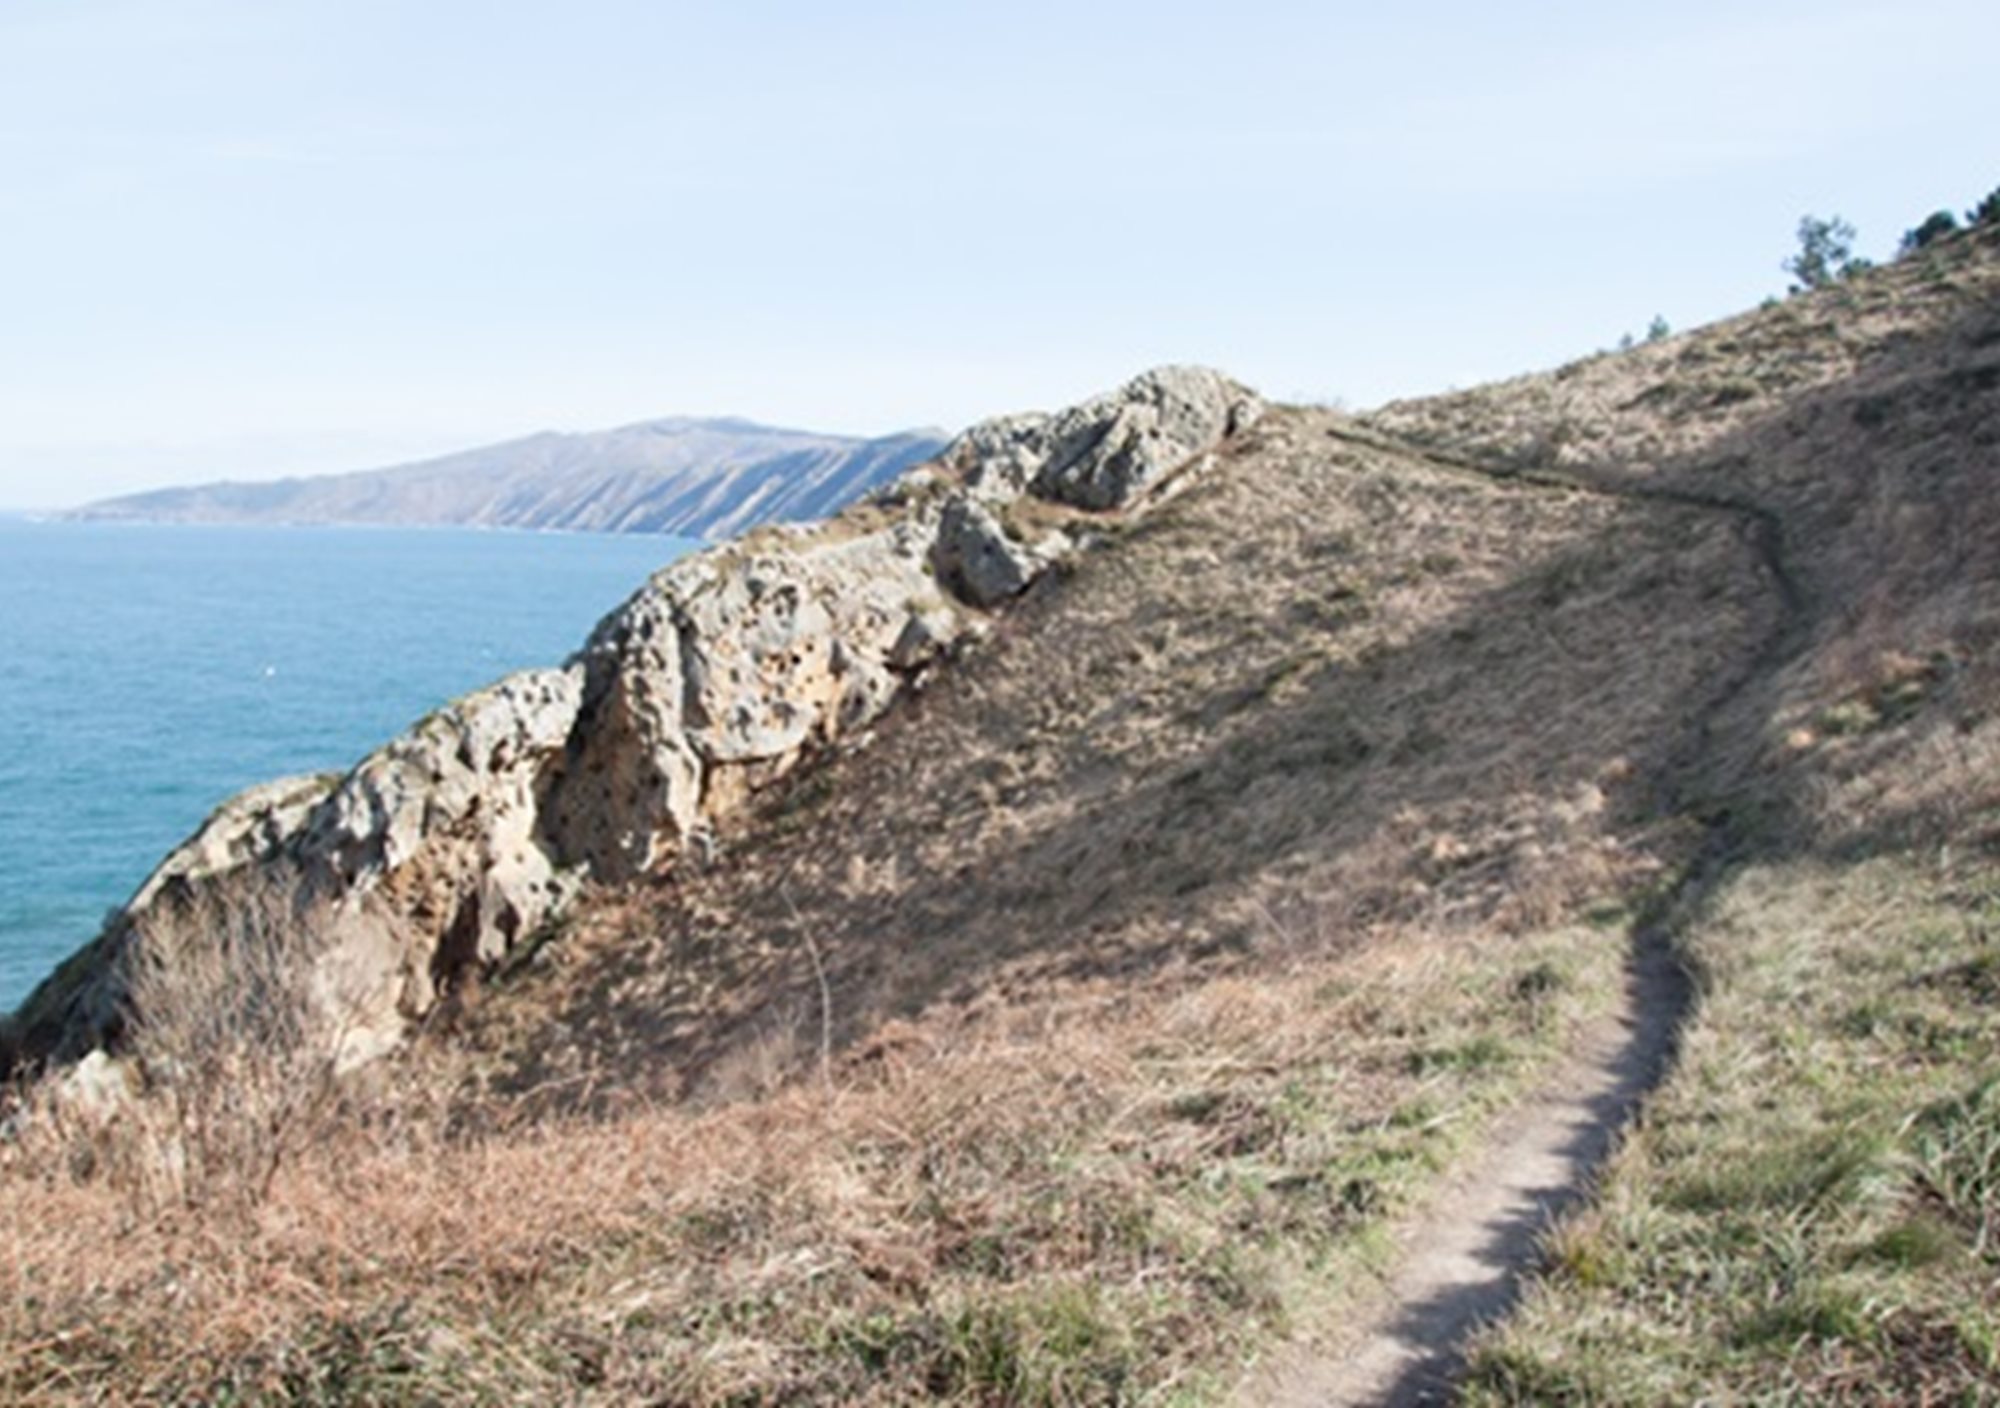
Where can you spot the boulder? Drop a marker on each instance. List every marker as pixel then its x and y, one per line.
pixel 932 629
pixel 1108 452
pixel 98 1089
pixel 720 674
pixel 978 561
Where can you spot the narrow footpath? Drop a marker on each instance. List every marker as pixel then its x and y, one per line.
pixel 1462 1259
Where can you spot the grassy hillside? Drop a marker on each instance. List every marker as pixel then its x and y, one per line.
pixel 1080 1039
pixel 1809 1211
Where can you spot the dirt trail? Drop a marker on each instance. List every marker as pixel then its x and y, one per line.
pixel 1462 1258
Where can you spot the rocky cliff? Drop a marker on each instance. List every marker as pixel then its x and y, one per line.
pixel 693 478
pixel 453 845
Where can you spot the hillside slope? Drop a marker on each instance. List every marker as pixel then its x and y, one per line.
pixel 693 478
pixel 1083 1028
pixel 1820 1165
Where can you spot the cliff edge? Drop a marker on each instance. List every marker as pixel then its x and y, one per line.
pixel 455 844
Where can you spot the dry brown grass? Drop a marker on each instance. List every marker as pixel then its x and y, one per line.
pixel 1326 690
pixel 1804 1217
pixel 1061 1203
pixel 1867 432
pixel 1062 1042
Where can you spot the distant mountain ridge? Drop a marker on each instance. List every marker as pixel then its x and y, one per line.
pixel 692 477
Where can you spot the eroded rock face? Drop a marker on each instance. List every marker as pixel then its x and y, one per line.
pixel 632 774
pixel 443 826
pixel 1108 452
pixel 250 828
pixel 976 558
pixel 723 672
pixel 448 847
pixel 425 858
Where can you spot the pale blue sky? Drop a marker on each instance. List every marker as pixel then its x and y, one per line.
pixel 248 239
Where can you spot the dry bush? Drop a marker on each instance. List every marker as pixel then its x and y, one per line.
pixel 227 1068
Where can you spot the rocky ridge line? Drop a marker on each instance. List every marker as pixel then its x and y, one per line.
pixel 450 847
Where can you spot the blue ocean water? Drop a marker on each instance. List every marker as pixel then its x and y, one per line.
pixel 146 673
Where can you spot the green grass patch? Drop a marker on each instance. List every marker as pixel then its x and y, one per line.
pixel 1808 1214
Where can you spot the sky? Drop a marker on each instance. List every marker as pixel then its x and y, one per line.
pixel 252 238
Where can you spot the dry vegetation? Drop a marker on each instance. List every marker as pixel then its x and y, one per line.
pixel 1808 1214
pixel 1331 691
pixel 1079 1036
pixel 1061 1206
pixel 1868 439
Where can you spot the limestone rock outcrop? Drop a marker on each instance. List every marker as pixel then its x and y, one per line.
pixel 978 559
pixel 729 668
pixel 444 821
pixel 1107 452
pixel 455 843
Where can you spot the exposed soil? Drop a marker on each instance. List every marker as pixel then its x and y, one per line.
pixel 1460 1261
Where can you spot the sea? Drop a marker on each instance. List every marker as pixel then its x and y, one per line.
pixel 148 672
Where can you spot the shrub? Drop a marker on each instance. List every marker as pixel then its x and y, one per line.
pixel 1826 253
pixel 1987 212
pixel 230 1036
pixel 228 1066
pixel 1935 227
